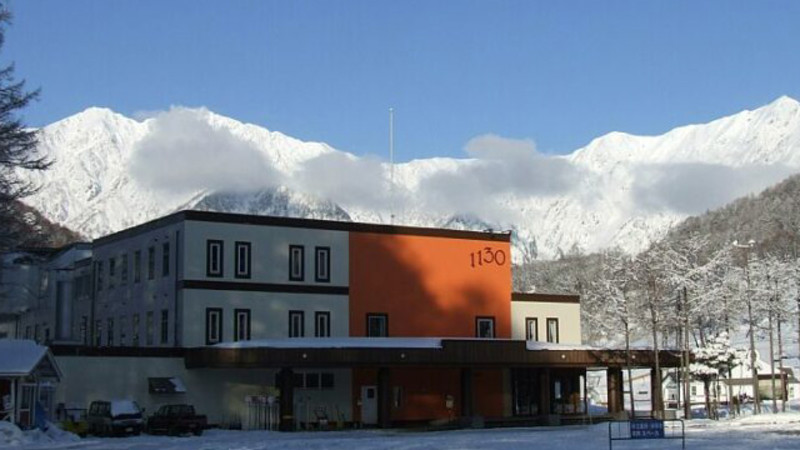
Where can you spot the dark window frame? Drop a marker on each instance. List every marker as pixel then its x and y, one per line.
pixel 110 332
pixel 383 316
pixel 165 254
pixel 123 270
pixel 236 330
pixel 558 330
pixel 164 338
pixel 248 272
pixel 302 275
pixel 528 336
pixel 294 313
pixel 220 323
pixel 317 316
pixel 478 320
pixel 99 269
pixel 151 262
pixel 220 259
pixel 149 327
pixel 317 260
pixel 137 266
pixel 112 271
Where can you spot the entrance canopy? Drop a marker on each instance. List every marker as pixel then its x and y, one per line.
pixel 24 358
pixel 429 352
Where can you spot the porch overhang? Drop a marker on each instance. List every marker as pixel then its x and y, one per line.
pixel 479 353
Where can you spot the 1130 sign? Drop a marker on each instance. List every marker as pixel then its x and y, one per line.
pixel 486 257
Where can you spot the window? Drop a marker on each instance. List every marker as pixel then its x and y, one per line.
pixel 694 390
pixel 164 326
pixel 213 326
pixel 552 330
pixel 137 266
pixel 165 259
pixel 312 380
pixel 151 263
pixel 112 271
pixel 36 332
pixel 99 275
pixel 242 260
pixel 241 324
pixel 98 332
pixel 150 325
pixel 531 329
pixel 296 324
pixel 214 250
pixel 84 332
pixel 484 327
pixel 123 270
pixel 322 324
pixel 123 324
pixel 110 333
pixel 28 332
pixel 322 264
pixel 135 330
pixel 296 263
pixel 377 325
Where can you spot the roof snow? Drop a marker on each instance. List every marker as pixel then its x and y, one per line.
pixel 22 357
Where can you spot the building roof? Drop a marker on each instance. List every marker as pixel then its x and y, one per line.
pixel 544 297
pixel 292 222
pixel 19 358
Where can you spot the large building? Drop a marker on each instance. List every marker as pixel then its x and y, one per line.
pixel 357 323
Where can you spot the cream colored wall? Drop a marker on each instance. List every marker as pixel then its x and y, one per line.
pixel 269 313
pixel 269 252
pixel 217 393
pixel 568 315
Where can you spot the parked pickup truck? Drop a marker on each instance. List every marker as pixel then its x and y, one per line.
pixel 176 419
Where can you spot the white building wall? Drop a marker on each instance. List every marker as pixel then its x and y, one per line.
pixel 270 251
pixel 568 315
pixel 218 393
pixel 269 313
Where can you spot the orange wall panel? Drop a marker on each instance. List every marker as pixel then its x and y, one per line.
pixel 429 286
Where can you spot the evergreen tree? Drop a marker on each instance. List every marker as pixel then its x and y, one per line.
pixel 17 148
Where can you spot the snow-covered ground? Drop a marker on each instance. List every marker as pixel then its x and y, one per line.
pixel 767 431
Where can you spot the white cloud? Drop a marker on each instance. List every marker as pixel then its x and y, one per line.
pixel 500 166
pixel 184 153
pixel 345 179
pixel 693 188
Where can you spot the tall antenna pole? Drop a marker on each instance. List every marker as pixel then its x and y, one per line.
pixel 391 166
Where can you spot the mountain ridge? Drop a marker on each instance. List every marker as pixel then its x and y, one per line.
pixel 612 192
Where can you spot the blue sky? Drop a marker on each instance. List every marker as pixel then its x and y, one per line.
pixel 560 73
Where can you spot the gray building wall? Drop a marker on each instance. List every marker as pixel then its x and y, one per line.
pixel 120 297
pixel 218 393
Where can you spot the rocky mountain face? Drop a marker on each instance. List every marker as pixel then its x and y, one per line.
pixel 624 190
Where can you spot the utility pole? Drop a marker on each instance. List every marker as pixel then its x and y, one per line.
pixel 391 166
pixel 687 399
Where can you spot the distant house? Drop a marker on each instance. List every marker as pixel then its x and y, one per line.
pixel 28 374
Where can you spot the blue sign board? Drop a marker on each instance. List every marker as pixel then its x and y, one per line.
pixel 647 429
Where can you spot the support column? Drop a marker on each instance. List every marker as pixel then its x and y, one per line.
pixel 467 399
pixel 616 402
pixel 384 399
pixel 286 385
pixel 656 394
pixel 544 392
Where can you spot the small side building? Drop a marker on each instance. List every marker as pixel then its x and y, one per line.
pixel 28 376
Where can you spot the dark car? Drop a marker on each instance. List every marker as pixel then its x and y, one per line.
pixel 117 417
pixel 175 420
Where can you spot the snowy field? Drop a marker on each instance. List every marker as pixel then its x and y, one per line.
pixel 776 432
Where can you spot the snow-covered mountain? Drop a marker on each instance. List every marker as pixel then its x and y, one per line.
pixel 624 190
